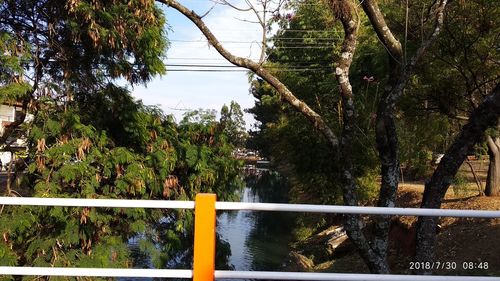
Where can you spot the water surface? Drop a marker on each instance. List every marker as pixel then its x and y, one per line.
pixel 259 240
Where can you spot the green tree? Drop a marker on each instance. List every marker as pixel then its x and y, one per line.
pixel 76 154
pixel 91 139
pixel 460 71
pixel 233 123
pixel 60 48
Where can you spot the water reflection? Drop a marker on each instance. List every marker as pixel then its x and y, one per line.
pixel 235 227
pixel 259 240
pixel 254 241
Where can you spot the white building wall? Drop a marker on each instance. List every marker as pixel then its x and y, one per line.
pixel 5 156
pixel 7 113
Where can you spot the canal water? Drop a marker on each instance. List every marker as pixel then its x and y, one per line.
pixel 258 241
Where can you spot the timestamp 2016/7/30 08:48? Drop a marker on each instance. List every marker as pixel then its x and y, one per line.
pixel 449 265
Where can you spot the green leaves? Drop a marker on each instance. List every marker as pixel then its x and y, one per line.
pixel 13 56
pixel 13 91
pixel 134 42
pixel 191 155
pixel 7 256
pixel 114 148
pixel 121 156
pixel 233 124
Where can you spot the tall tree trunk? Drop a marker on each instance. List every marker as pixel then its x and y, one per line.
pixel 493 179
pixel 483 117
pixel 345 11
pixel 386 133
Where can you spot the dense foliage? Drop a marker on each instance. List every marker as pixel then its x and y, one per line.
pixel 90 139
pixel 85 41
pixel 76 154
pixel 304 49
pixel 455 75
pixel 12 58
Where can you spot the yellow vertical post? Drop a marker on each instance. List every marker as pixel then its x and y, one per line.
pixel 204 237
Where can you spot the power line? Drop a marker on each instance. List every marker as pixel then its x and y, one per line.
pixel 315 46
pixel 245 70
pixel 255 41
pixel 282 31
pixel 234 66
pixel 281 45
pixel 191 59
pixel 206 70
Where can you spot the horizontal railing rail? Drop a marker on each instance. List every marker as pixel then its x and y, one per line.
pixel 227 206
pixel 338 209
pixel 230 274
pixel 103 203
pixel 96 272
pixel 204 242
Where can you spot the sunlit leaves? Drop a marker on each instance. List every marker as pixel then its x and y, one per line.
pixel 115 148
pixel 131 31
pixel 13 58
pixel 7 256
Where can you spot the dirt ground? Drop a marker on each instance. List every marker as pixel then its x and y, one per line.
pixel 460 240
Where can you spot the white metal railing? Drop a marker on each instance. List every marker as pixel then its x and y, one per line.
pixel 227 274
pixel 355 210
pixel 96 272
pixel 109 203
pixel 309 208
pixel 221 274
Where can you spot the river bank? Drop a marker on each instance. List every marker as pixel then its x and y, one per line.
pixel 460 240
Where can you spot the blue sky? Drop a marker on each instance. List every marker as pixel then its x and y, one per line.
pixel 176 91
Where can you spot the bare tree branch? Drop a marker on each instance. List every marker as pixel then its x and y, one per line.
pixel 209 10
pixel 227 3
pixel 427 43
pixel 261 20
pixel 245 20
pixel 258 69
pixel 385 35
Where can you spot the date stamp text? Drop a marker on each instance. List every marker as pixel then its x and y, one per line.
pixel 449 265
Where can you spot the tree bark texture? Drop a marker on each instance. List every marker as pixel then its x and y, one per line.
pixel 493 179
pixel 483 117
pixel 386 134
pixel 386 131
pixel 345 11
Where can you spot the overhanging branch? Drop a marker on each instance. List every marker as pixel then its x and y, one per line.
pixel 258 69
